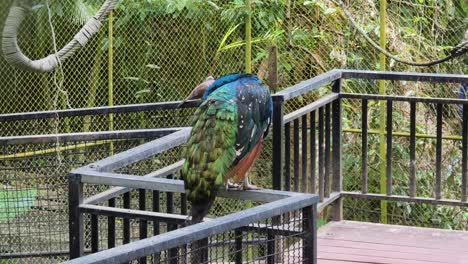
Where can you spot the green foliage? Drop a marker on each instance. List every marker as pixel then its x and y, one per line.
pixel 77 11
pixel 14 203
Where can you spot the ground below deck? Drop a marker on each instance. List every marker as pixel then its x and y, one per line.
pixel 355 242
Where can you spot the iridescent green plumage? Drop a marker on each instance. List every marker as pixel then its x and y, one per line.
pixel 227 131
pixel 210 149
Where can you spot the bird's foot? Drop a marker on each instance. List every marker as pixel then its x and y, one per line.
pixel 232 186
pixel 249 187
pixel 246 185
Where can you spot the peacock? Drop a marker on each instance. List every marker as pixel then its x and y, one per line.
pixel 228 130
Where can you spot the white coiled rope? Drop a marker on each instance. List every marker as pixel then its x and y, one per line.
pixel 15 57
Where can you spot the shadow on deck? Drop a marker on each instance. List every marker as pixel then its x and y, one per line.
pixel 349 242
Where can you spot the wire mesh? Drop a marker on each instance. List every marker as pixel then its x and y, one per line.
pixel 34 194
pixel 162 49
pixel 280 238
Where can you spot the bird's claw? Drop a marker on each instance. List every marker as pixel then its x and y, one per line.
pixel 249 187
pixel 246 185
pixel 231 186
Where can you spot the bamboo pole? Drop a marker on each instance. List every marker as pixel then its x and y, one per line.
pixel 53 150
pixel 248 69
pixel 94 81
pixel 111 76
pixel 248 37
pixel 402 134
pixel 382 60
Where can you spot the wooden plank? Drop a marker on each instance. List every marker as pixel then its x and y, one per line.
pixel 370 259
pixel 375 246
pixel 387 253
pixel 328 261
pixel 400 198
pixel 415 237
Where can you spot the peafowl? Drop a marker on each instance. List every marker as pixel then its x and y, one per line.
pixel 227 136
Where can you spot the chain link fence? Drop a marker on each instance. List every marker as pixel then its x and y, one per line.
pixel 162 49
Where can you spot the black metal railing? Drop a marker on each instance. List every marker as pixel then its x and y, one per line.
pixel 311 139
pixel 106 118
pixel 413 102
pixel 34 184
pixel 310 161
pixel 38 149
pixel 282 227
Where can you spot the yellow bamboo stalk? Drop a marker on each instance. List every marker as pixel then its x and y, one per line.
pixel 383 163
pixel 248 37
pixel 248 69
pixel 53 150
pixel 111 76
pixel 402 134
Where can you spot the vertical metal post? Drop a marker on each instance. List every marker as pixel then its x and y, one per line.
pixel 321 182
pixel 364 146
pixel 309 225
pixel 183 211
pixel 271 253
pixel 111 227
pixel 412 189
pixel 173 252
pixel 94 233
pixel 313 155
pixel 277 167
pixel 183 204
pixel 327 151
pixel 238 249
pixel 156 224
pixel 287 157
pixel 337 145
pixel 126 221
pixel 388 171
pixel 304 154
pixel 464 153
pixel 296 154
pixel 75 198
pixel 143 225
pixel 274 245
pixel 438 178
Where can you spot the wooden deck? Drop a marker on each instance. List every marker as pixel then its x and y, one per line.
pixel 355 242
